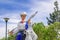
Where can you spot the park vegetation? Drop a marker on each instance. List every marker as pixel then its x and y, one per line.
pixel 50 32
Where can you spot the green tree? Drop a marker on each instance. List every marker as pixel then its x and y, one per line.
pixel 54 30
pixel 46 33
pixel 40 30
pixel 53 15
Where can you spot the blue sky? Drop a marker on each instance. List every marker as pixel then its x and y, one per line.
pixel 13 8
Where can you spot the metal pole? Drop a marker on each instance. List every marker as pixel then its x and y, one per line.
pixel 6 20
pixel 6 31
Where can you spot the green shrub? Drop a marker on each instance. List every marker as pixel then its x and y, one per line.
pixel 43 32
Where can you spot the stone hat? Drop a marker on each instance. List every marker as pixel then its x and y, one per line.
pixel 23 13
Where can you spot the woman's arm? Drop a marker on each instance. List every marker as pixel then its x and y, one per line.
pixel 15 30
pixel 29 21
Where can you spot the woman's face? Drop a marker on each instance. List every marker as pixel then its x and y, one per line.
pixel 23 17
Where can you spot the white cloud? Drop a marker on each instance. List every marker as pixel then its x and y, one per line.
pixel 12 16
pixel 44 9
pixel 14 20
pixel 2 30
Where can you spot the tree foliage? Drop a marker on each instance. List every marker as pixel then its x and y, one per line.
pixel 54 15
pixel 49 33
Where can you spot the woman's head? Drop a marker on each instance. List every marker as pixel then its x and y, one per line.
pixel 23 15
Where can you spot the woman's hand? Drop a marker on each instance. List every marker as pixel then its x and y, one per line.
pixel 10 33
pixel 29 21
